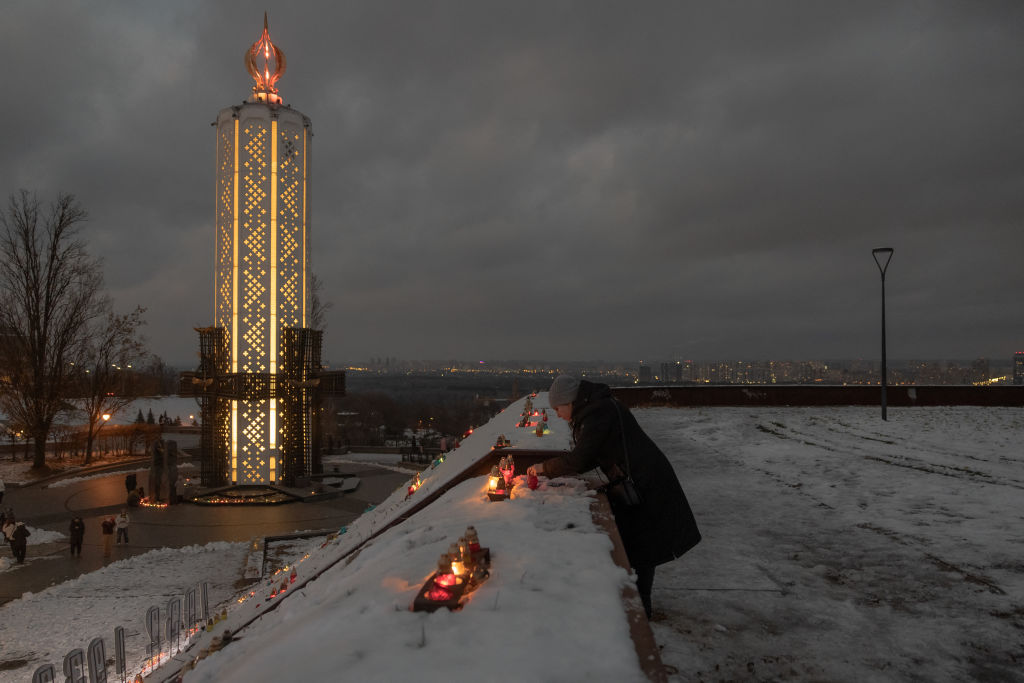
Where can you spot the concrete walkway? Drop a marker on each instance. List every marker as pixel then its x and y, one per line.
pixel 51 505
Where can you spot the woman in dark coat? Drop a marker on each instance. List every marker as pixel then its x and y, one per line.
pixel 659 529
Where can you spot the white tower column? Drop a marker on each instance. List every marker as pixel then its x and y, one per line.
pixel 262 251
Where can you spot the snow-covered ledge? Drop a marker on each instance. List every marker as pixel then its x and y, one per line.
pixel 551 610
pixel 559 604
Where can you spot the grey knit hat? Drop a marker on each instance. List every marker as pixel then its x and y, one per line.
pixel 563 391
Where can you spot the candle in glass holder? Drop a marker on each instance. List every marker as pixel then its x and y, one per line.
pixel 444 576
pixel 458 564
pixel 493 479
pixel 472 538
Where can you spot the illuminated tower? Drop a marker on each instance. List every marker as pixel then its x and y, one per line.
pixel 260 383
pixel 262 253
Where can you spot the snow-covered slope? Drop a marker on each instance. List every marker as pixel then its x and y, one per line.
pixel 836 547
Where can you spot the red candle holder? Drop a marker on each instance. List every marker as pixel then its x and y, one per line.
pixel 445 589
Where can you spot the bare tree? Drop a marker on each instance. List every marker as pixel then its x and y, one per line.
pixel 105 376
pixel 317 306
pixel 49 293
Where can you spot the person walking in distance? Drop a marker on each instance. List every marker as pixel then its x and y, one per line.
pixel 107 527
pixel 8 529
pixel 76 532
pixel 122 527
pixel 19 541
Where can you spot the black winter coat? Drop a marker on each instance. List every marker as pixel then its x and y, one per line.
pixel 20 536
pixel 660 529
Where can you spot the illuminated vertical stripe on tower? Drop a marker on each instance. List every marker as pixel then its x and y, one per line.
pixel 305 244
pixel 234 442
pixel 274 332
pixel 234 264
pixel 234 313
pixel 273 247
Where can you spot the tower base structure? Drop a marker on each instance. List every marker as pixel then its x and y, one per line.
pixel 296 391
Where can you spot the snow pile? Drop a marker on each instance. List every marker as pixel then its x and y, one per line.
pixel 39 536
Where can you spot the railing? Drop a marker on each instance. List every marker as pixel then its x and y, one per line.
pixel 824 395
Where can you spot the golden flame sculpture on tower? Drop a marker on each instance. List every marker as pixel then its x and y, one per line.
pixel 265 62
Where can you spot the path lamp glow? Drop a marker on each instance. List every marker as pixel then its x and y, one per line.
pixel 882 257
pixel 105 417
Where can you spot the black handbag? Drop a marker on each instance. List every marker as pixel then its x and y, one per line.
pixel 621 489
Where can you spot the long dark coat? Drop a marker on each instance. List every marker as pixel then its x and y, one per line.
pixel 19 539
pixel 77 530
pixel 660 529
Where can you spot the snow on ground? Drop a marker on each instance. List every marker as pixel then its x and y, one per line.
pixel 67 481
pixel 181 407
pixel 36 536
pixel 841 547
pixel 43 627
pixel 14 468
pixel 836 547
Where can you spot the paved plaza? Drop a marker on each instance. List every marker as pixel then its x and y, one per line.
pixel 50 505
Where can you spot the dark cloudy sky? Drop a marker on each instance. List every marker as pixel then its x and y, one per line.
pixel 560 180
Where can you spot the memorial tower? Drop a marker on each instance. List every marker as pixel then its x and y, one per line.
pixel 260 372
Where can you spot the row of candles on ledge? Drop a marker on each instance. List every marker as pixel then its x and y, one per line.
pixel 500 480
pixel 526 419
pixel 459 571
pixel 459 560
pixel 541 422
pixel 416 482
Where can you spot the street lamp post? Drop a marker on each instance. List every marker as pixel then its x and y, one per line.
pixel 882 257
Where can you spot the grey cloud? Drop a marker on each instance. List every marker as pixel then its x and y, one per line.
pixel 614 180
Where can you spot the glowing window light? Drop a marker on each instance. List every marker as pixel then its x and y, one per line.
pixel 234 442
pixel 273 423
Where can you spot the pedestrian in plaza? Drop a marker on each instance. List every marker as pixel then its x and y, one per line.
pixel 19 541
pixel 122 527
pixel 651 511
pixel 107 526
pixel 8 529
pixel 76 531
pixel 131 482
